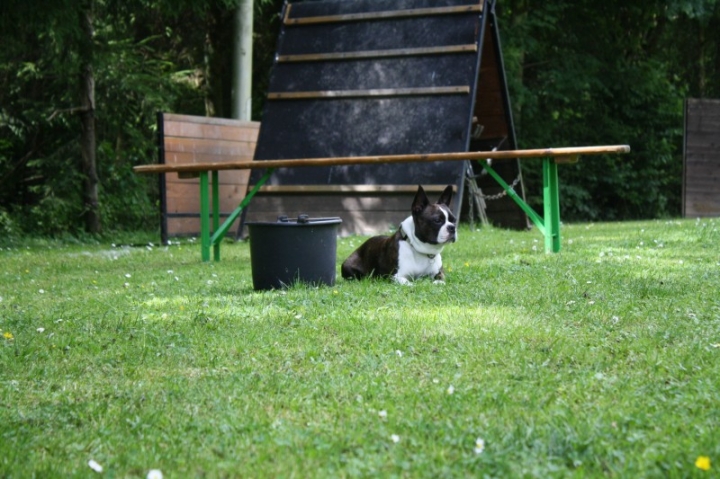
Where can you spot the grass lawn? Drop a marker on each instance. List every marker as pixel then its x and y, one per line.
pixel 600 361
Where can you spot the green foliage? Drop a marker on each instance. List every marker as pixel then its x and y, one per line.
pixel 136 76
pixel 601 361
pixel 8 228
pixel 607 79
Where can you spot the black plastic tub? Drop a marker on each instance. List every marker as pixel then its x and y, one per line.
pixel 293 250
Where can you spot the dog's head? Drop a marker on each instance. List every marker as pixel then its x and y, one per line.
pixel 434 222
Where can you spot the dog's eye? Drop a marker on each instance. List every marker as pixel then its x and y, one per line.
pixel 439 220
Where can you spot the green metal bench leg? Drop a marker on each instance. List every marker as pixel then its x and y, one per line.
pixel 534 217
pixel 551 205
pixel 216 212
pixel 221 230
pixel 549 224
pixel 204 217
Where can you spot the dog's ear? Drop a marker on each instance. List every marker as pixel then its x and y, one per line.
pixel 420 202
pixel 446 196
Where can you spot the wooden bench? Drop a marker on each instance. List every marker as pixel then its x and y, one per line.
pixel 548 224
pixel 197 140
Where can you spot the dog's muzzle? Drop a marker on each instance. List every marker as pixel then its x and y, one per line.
pixel 451 234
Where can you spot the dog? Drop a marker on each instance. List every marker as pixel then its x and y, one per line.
pixel 414 250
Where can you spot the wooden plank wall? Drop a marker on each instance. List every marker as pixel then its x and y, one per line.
pixel 195 139
pixel 701 172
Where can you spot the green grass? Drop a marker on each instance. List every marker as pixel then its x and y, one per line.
pixel 600 361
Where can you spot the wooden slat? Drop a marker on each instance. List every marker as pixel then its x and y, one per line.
pixel 382 15
pixel 693 174
pixel 183 198
pixel 705 196
pixel 704 168
pixel 704 123
pixel 227 177
pixel 371 54
pixel 703 136
pixel 344 189
pixel 700 208
pixel 374 160
pixel 184 149
pixel 210 131
pixel 381 92
pixel 209 120
pixel 320 205
pixel 360 214
pixel 697 183
pixel 185 226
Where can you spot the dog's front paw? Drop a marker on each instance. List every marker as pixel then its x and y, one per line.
pixel 438 281
pixel 402 280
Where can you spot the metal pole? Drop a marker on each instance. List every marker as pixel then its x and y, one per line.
pixel 204 216
pixel 215 212
pixel 242 61
pixel 551 205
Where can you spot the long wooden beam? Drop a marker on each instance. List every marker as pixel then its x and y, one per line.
pixel 380 92
pixel 296 189
pixel 382 15
pixel 374 160
pixel 372 54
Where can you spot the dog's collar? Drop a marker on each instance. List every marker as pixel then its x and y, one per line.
pixel 408 240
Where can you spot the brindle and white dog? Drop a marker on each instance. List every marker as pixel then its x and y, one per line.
pixel 414 250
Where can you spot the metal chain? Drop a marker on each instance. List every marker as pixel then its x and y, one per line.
pixel 502 193
pixel 497 196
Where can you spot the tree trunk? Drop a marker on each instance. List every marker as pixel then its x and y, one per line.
pixel 702 55
pixel 87 121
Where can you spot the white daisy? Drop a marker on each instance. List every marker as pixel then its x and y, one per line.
pixel 479 445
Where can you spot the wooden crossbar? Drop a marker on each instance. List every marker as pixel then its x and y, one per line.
pixel 380 92
pixel 372 54
pixel 344 189
pixel 373 160
pixel 382 15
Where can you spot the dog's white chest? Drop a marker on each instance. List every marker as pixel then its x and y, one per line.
pixel 412 265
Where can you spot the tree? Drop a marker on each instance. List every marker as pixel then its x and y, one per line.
pixel 691 42
pixel 604 80
pixel 87 117
pixel 83 83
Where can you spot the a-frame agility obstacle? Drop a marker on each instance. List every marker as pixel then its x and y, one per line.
pixel 384 77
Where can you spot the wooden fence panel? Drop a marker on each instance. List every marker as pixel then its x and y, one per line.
pixel 701 172
pixel 194 139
